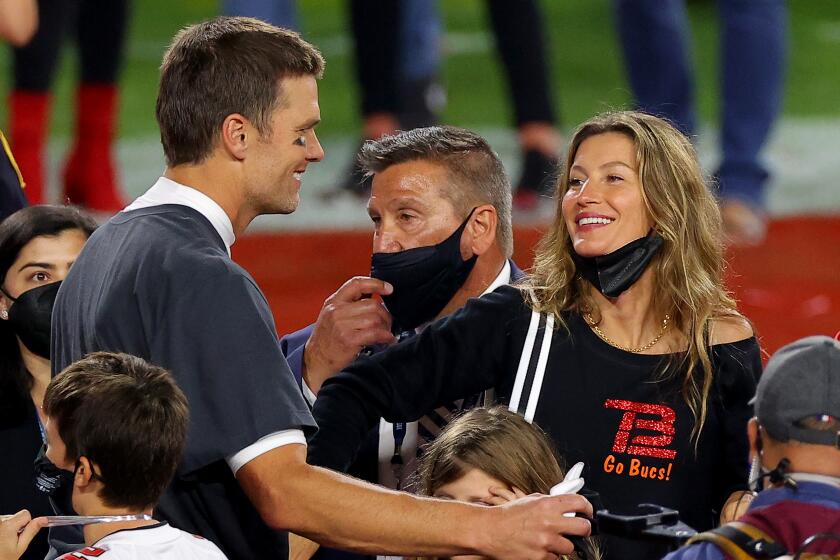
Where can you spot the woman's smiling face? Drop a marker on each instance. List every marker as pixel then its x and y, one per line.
pixel 603 208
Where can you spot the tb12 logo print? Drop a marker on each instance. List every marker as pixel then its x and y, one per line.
pixel 645 430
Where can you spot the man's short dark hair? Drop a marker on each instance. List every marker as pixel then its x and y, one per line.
pixel 478 176
pixel 223 66
pixel 128 417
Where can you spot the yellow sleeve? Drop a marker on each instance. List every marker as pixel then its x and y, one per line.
pixel 9 155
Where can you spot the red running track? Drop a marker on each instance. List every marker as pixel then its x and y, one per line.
pixel 789 287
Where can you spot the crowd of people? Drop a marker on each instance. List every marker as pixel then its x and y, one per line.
pixel 148 399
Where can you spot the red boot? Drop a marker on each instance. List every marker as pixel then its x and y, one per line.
pixel 28 120
pixel 90 173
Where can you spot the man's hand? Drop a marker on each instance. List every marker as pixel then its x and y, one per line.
pixel 349 320
pixel 534 527
pixel 16 532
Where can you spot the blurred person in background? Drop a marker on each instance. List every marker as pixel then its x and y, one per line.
pixel 654 35
pixel 397 66
pixel 89 174
pixel 795 451
pixel 18 22
pixel 38 245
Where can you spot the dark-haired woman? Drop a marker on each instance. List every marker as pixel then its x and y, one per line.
pixel 37 247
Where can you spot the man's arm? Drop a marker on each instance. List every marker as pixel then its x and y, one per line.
pixel 453 358
pixel 339 511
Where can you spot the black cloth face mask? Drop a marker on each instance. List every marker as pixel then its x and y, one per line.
pixel 613 273
pixel 30 317
pixel 424 279
pixel 56 483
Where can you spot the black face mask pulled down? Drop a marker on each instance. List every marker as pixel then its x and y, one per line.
pixel 56 483
pixel 613 273
pixel 30 317
pixel 424 279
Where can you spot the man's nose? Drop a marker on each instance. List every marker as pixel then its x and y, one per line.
pixel 386 242
pixel 314 150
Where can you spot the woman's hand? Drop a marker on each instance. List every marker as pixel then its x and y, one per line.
pixel 500 495
pixel 736 505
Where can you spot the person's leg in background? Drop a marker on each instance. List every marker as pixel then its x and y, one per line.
pixel 422 98
pixel 282 13
pixel 654 36
pixel 376 28
pixel 753 54
pixel 90 174
pixel 521 42
pixel 29 102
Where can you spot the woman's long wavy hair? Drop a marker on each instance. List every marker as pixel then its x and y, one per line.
pixel 688 271
pixel 503 445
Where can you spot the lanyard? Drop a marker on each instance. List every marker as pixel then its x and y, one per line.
pixel 396 458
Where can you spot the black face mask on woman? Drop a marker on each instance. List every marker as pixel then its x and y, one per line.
pixel 30 317
pixel 613 273
pixel 424 279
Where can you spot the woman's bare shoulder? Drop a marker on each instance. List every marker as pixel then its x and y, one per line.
pixel 730 327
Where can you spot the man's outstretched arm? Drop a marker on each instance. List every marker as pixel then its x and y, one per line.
pixel 342 512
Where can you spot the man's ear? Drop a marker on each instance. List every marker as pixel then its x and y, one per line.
pixel 235 135
pixel 481 230
pixel 84 473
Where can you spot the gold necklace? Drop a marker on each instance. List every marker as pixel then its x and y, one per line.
pixel 594 326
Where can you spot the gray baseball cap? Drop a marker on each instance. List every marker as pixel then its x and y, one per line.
pixel 801 380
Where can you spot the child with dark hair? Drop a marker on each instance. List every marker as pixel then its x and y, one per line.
pixel 492 456
pixel 115 428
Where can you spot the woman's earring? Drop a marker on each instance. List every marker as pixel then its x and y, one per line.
pixel 4 314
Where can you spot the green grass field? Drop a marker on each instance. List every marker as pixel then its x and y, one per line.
pixel 586 64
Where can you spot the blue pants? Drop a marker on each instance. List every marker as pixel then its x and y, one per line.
pixel 282 13
pixel 654 35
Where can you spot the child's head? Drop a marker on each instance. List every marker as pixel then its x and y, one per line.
pixel 493 442
pixel 492 448
pixel 118 424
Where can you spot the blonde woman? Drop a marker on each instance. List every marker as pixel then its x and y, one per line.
pixel 492 456
pixel 623 345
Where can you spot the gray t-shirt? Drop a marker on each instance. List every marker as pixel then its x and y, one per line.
pixel 158 283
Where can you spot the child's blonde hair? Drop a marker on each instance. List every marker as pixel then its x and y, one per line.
pixel 503 445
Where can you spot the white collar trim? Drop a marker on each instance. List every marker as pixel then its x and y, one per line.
pixel 501 280
pixel 167 191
